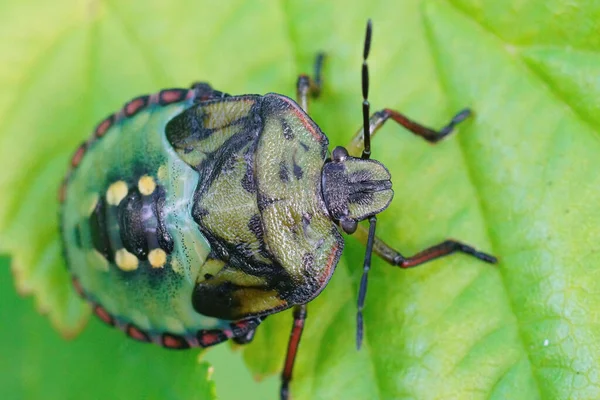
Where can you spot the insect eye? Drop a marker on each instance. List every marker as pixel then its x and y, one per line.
pixel 339 154
pixel 348 225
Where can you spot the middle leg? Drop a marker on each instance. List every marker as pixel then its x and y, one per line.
pixel 393 257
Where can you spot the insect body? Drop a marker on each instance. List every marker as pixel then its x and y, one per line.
pixel 190 215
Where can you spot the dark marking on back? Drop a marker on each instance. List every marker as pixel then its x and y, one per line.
pixel 248 180
pixel 263 201
pixel 99 230
pixel 131 212
pixel 284 174
pixel 255 226
pixel 229 164
pixel 141 223
pixel 77 236
pixel 216 300
pixel 244 249
pixel 304 146
pixel 298 172
pixel 135 105
pixel 287 130
pixel 200 212
pixel 308 262
pixel 165 241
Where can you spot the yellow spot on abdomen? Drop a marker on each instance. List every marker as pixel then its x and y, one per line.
pixel 116 192
pixel 176 266
pixel 162 173
pixel 146 185
pixel 125 260
pixel 157 258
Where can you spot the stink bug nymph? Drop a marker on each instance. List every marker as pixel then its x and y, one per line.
pixel 190 214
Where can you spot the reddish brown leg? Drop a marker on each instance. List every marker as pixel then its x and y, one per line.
pixel 445 248
pixel 290 358
pixel 361 142
pixel 373 243
pixel 379 118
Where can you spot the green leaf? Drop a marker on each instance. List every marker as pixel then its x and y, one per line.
pixel 518 180
pixel 36 363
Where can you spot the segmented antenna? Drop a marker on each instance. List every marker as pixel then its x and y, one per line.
pixel 365 92
pixel 362 292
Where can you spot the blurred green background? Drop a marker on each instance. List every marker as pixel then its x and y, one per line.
pixel 518 180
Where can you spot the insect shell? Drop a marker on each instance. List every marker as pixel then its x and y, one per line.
pixel 189 214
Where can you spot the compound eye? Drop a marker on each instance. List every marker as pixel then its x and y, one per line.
pixel 348 225
pixel 339 154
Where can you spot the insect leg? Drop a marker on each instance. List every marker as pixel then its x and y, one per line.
pixel 445 248
pixel 361 142
pixel 380 117
pixel 295 335
pixel 307 86
pixel 393 257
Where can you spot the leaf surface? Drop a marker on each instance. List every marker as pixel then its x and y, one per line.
pixel 518 180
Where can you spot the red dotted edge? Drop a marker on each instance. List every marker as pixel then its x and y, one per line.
pixel 131 108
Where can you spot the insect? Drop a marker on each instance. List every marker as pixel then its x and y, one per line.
pixel 190 215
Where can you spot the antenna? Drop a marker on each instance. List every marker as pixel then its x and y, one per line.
pixel 365 92
pixel 362 292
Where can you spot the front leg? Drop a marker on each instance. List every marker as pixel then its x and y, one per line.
pixel 356 145
pixel 443 249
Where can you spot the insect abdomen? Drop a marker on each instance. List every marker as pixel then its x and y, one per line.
pixel 130 241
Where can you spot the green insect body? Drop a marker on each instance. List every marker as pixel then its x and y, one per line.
pixel 185 222
pixel 191 215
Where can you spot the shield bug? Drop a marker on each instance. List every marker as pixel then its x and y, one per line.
pixel 190 215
